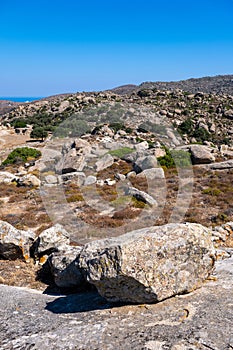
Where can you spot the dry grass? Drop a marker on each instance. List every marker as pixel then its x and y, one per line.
pixel 117 167
pixel 211 204
pixel 21 274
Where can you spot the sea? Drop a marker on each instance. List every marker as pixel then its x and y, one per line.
pixel 20 99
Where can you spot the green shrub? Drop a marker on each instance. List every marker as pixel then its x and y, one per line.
pixel 201 135
pixel 72 127
pixel 128 130
pixel 143 93
pixel 212 191
pixel 186 127
pixel 121 152
pixel 39 133
pixel 21 155
pixel 175 158
pixel 117 126
pixel 19 123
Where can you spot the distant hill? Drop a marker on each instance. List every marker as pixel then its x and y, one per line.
pixel 124 89
pixel 7 106
pixel 220 84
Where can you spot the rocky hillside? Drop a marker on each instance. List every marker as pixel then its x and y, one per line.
pixel 220 84
pixel 7 106
pixel 118 199
pixel 197 117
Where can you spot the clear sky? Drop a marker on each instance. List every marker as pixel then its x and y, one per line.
pixel 49 47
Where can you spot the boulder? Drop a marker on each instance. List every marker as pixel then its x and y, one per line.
pixel 201 154
pixel 130 157
pixel 159 152
pixel 142 146
pixel 54 239
pixel 29 180
pixel 104 162
pixel 64 268
pixel 82 146
pixel 51 179
pixel 131 175
pixel 228 164
pixel 6 177
pixel 152 174
pixel 110 182
pixel 73 163
pixel 150 264
pixel 77 177
pixel 145 162
pixel 223 234
pixel 141 196
pixel 120 177
pixel 198 321
pixel 229 114
pixel 14 244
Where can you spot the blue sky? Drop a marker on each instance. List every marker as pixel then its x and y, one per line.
pixel 50 47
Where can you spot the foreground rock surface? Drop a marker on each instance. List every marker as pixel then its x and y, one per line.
pixel 150 264
pixel 197 321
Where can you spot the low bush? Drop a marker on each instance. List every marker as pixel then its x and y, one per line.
pixel 186 127
pixel 175 158
pixel 39 133
pixel 75 198
pixel 72 127
pixel 143 93
pixel 199 133
pixel 212 191
pixel 121 152
pixel 19 123
pixel 21 155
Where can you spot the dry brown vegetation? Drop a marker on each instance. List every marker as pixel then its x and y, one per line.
pixel 212 197
pixel 21 274
pixel 22 207
pixel 211 204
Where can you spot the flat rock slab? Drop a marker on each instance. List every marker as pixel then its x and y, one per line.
pixel 199 320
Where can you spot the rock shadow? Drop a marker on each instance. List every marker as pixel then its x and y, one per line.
pixel 81 302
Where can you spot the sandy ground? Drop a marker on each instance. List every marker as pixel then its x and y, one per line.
pixel 8 138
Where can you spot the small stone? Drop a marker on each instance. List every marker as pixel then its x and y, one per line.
pixel 90 180
pixel 141 196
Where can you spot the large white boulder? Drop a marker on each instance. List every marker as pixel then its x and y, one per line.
pixel 150 264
